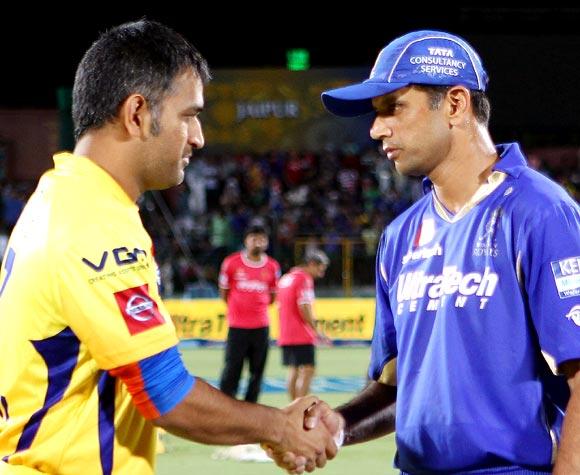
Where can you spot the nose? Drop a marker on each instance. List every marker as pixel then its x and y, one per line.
pixel 380 128
pixel 195 136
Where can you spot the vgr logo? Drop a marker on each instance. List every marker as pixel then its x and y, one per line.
pixel 122 256
pixel 574 314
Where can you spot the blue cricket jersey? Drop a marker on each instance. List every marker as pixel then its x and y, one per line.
pixel 468 304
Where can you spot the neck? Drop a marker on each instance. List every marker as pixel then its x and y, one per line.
pixel 457 178
pixel 254 257
pixel 309 270
pixel 112 156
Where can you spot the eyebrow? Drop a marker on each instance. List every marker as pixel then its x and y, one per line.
pixel 382 103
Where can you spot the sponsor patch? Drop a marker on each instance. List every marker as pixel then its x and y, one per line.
pixel 139 310
pixel 567 276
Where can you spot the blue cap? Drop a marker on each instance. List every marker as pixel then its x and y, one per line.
pixel 424 57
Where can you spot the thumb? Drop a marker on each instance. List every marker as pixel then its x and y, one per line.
pixel 314 414
pixel 305 403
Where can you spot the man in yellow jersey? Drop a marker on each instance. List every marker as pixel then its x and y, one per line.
pixel 90 364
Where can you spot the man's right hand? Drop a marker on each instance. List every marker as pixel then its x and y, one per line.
pixel 317 418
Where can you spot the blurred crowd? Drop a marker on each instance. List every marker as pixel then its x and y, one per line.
pixel 317 199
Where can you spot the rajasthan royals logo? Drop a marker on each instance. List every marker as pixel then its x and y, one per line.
pixel 486 244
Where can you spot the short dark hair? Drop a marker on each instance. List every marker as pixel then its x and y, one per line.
pixel 139 57
pixel 479 101
pixel 255 229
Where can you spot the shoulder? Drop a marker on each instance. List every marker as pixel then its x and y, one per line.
pixel 232 259
pixel 273 263
pixel 300 275
pixel 68 219
pixel 538 196
pixel 528 192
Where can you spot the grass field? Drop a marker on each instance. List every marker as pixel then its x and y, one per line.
pixel 184 457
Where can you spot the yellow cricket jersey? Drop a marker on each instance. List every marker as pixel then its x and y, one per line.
pixel 78 296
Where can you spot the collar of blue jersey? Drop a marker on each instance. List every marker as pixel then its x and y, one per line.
pixel 511 161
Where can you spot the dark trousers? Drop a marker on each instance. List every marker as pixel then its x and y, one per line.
pixel 242 344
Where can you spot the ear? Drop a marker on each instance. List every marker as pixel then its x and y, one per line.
pixel 135 116
pixel 459 103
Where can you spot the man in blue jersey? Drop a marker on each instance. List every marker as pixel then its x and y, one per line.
pixel 477 333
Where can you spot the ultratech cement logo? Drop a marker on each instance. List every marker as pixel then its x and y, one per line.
pixel 451 283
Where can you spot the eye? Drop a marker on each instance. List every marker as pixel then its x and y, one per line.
pixel 396 106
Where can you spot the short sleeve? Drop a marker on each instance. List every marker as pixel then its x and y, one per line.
pixel 384 343
pixel 550 262
pixel 224 276
pixel 304 290
pixel 276 274
pixel 110 299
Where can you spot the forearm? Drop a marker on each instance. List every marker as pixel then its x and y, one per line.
pixel 208 416
pixel 568 459
pixel 224 294
pixel 307 315
pixel 370 414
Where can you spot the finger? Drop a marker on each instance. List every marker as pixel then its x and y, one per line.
pixel 300 460
pixel 321 460
pixel 269 452
pixel 300 465
pixel 331 449
pixel 289 459
pixel 299 470
pixel 310 466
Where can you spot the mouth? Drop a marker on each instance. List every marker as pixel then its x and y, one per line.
pixel 185 160
pixel 392 153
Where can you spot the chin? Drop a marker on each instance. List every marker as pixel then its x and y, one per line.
pixel 167 184
pixel 408 170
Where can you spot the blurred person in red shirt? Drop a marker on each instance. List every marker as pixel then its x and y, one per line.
pixel 247 282
pixel 298 333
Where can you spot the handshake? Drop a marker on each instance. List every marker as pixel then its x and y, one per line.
pixel 312 435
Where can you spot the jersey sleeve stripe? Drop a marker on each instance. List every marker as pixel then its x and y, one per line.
pixel 157 383
pixel 131 375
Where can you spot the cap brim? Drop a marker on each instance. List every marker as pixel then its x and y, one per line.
pixel 356 100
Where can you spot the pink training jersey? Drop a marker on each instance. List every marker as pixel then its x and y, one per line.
pixel 250 285
pixel 295 288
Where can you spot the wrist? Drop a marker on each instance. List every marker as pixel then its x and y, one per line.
pixel 339 437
